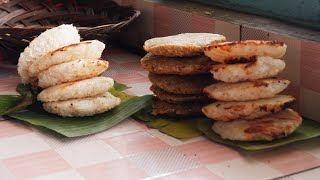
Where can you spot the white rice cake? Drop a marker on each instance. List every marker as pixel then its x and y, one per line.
pixel 46 42
pixel 76 90
pixel 83 107
pixel 83 50
pixel 72 71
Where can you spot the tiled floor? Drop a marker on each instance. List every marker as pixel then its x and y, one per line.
pixel 130 150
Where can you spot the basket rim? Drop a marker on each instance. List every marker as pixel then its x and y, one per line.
pixel 136 13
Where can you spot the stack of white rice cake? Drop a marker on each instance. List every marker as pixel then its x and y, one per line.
pixel 178 71
pixel 68 71
pixel 248 106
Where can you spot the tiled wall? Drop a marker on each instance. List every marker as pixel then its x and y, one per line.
pixel 302 57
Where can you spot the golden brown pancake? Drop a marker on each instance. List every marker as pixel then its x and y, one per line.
pixel 237 51
pixel 229 111
pixel 248 90
pixel 186 44
pixel 263 67
pixel 267 128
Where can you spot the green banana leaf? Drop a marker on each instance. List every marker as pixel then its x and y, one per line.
pixel 23 89
pixel 70 127
pixel 80 126
pixel 28 95
pixel 13 103
pixel 178 128
pixel 8 101
pixel 15 106
pixel 308 129
pixel 120 87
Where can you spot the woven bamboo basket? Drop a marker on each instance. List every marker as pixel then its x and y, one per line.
pixel 23 20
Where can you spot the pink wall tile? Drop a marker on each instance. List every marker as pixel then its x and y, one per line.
pixel 142 28
pixel 294 91
pixel 310 65
pixel 13 128
pixel 288 160
pixel 292 58
pixel 147 15
pixel 135 143
pixel 202 24
pixel 181 22
pixel 309 104
pixel 207 152
pixel 163 20
pixel 145 22
pixel 113 170
pixel 230 31
pixel 201 173
pixel 251 33
pixel 36 164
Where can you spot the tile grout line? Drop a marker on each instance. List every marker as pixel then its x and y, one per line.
pixel 299 172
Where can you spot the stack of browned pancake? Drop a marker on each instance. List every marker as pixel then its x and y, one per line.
pixel 178 71
pixel 249 107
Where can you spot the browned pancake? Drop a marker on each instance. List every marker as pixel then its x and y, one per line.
pixel 177 65
pixel 177 98
pixel 182 84
pixel 164 108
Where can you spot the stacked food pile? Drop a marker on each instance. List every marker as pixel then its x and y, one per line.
pixel 178 71
pixel 249 107
pixel 67 70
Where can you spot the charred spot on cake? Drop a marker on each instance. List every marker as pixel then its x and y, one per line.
pixel 241 60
